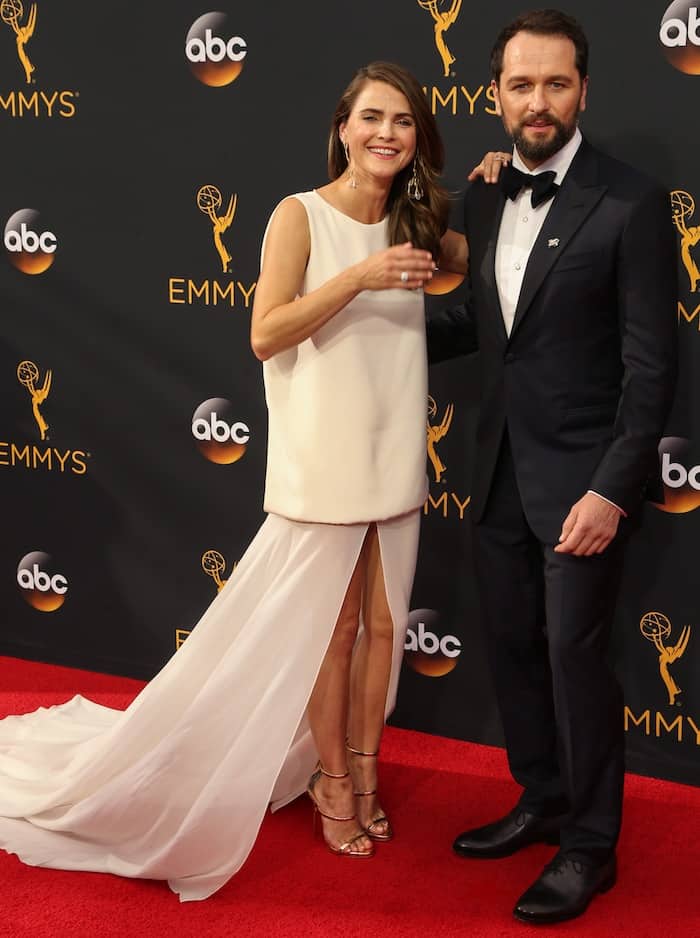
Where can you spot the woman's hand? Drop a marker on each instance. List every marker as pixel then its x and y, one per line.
pixel 401 266
pixel 489 169
pixel 282 318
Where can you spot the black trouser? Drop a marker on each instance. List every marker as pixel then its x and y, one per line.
pixel 548 618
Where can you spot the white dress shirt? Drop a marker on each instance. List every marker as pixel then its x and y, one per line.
pixel 520 225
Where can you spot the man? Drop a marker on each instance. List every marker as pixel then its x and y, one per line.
pixel 573 293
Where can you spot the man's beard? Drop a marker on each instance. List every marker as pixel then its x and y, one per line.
pixel 540 150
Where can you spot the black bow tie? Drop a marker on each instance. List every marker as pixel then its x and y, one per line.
pixel 543 185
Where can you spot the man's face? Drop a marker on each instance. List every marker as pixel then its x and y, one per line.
pixel 540 94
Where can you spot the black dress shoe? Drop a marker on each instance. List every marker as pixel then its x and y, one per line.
pixel 565 889
pixel 508 835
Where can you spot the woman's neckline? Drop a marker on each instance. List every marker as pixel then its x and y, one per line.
pixel 348 217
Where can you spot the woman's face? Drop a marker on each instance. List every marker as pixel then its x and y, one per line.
pixel 380 132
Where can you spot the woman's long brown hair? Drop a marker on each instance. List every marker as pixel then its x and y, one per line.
pixel 422 222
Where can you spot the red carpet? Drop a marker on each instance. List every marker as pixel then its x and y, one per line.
pixel 414 886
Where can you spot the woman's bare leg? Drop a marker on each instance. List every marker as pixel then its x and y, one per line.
pixel 328 717
pixel 371 670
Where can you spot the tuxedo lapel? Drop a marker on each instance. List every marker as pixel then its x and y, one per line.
pixel 579 194
pixel 488 270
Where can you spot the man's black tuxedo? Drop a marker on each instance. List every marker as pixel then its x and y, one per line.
pixel 574 400
pixel 586 378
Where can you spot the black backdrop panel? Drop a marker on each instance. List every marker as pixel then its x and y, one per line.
pixel 136 188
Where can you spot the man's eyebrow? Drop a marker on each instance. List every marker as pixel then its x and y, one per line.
pixel 516 78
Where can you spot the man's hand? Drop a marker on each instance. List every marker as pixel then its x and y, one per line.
pixel 589 527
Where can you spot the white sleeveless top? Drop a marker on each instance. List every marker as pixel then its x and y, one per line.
pixel 347 407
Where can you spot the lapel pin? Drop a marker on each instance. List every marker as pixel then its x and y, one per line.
pixel 553 243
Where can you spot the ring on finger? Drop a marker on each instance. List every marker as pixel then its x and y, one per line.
pixel 403 277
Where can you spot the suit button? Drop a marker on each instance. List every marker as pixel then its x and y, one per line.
pixel 510 357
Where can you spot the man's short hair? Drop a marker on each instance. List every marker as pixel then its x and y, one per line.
pixel 542 23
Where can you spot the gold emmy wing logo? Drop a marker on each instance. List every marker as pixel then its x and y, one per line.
pixel 28 375
pixel 213 564
pixel 209 201
pixel 656 628
pixel 442 20
pixel 11 13
pixel 436 432
pixel 683 209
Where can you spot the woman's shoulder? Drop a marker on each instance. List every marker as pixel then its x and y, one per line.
pixel 288 228
pixel 292 213
pixel 297 202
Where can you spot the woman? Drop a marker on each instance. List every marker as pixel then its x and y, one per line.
pixel 176 786
pixel 339 323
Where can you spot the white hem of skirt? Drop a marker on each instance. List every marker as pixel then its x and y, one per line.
pixel 176 786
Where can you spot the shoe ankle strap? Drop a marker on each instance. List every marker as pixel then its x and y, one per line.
pixel 334 817
pixel 359 752
pixel 331 774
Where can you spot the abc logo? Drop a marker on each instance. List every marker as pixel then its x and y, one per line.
pixel 680 35
pixel 41 585
pixel 29 246
pixel 220 437
pixel 214 57
pixel 681 482
pixel 426 650
pixel 443 281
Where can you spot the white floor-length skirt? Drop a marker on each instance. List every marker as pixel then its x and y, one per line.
pixel 176 786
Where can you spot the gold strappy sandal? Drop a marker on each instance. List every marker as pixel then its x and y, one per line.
pixel 382 818
pixel 345 849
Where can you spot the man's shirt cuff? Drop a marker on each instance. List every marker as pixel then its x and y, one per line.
pixel 622 512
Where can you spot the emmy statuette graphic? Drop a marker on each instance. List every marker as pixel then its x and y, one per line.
pixel 11 12
pixel 208 201
pixel 656 627
pixel 683 207
pixel 214 565
pixel 435 433
pixel 443 21
pixel 28 375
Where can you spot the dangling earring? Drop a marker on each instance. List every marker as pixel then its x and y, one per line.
pixel 415 190
pixel 352 182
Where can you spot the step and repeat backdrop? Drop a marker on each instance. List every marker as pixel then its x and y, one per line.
pixel 143 151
